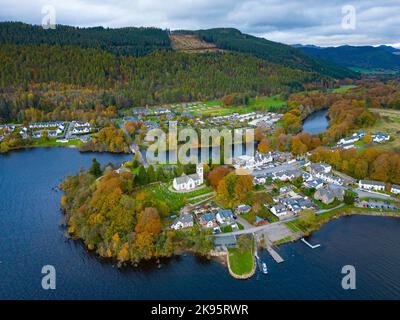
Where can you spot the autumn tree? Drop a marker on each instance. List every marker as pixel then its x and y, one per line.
pixel 217 174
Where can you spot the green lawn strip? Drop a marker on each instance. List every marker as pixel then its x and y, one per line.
pixel 241 262
pixel 52 142
pixel 323 218
pixel 292 226
pixel 324 206
pixel 226 229
pixel 282 241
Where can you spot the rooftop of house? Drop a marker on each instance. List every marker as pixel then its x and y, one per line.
pixel 186 218
pixel 207 217
pixel 372 182
pixel 225 213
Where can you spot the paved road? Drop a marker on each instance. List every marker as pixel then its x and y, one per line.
pixel 326 210
pixel 269 227
pixel 368 194
pixel 244 222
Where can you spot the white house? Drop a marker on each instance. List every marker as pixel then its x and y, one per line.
pixel 259 180
pixel 81 131
pixel 286 175
pixel 379 137
pixel 328 178
pixel 314 183
pixel 320 167
pixel 250 162
pixel 207 220
pixel 348 140
pixel 395 189
pixel 189 182
pixel 224 216
pixel 371 185
pixel 279 210
pixel 185 221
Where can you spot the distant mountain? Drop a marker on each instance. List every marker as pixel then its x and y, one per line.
pixel 366 57
pixel 143 41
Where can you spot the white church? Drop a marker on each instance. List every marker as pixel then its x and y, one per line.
pixel 189 182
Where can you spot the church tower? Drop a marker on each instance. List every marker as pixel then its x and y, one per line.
pixel 199 171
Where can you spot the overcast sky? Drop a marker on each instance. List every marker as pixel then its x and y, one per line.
pixel 316 22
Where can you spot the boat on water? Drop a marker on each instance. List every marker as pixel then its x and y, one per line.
pixel 264 268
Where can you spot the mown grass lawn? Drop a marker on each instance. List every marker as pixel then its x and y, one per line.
pixel 241 262
pixel 52 142
pixel 175 201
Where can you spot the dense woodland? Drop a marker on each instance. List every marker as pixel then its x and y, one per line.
pixel 368 164
pixel 122 222
pixel 122 41
pixel 50 78
pixel 234 40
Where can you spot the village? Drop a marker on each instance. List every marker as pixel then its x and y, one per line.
pixel 60 131
pixel 296 186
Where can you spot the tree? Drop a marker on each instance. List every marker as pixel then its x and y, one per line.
pixel 265 146
pixel 244 243
pixel 368 138
pixel 349 197
pixel 151 174
pixel 95 168
pixel 217 174
pixel 298 147
pixel 141 177
pixel 45 135
pixel 307 218
pixel 149 221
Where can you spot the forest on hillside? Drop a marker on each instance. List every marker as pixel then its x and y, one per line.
pixel 47 78
pixel 122 41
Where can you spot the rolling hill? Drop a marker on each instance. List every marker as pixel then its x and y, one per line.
pixel 365 57
pixel 142 41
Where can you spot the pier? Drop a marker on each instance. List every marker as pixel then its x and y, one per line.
pixel 309 244
pixel 275 255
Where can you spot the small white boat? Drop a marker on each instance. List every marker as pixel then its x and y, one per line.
pixel 264 268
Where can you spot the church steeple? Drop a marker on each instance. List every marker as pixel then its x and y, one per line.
pixel 199 171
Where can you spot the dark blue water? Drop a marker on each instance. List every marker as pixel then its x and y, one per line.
pixel 31 236
pixel 316 122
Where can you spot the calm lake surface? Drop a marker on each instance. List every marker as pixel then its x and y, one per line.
pixel 31 237
pixel 316 122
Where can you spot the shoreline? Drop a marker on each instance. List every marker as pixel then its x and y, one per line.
pixel 306 233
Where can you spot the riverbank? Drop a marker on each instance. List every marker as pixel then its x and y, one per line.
pixel 328 216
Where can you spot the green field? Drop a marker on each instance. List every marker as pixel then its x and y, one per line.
pixel 241 262
pixel 215 108
pixel 389 122
pixel 175 201
pixel 51 142
pixel 343 88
